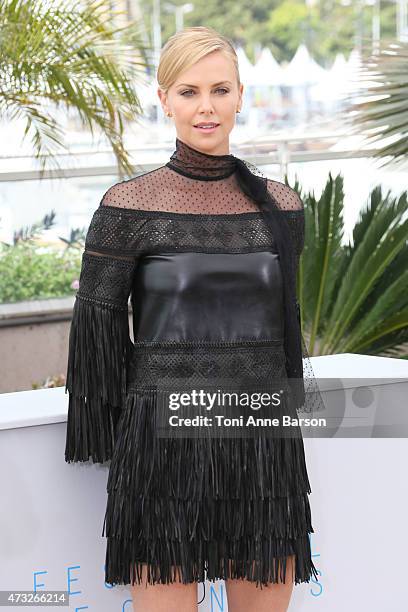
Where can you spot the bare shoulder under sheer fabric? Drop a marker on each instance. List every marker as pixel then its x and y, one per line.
pixel 192 244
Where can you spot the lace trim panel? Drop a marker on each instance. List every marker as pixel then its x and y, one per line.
pixel 193 363
pixel 126 232
pixel 105 280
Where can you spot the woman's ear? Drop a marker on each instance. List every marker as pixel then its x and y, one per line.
pixel 163 100
pixel 241 90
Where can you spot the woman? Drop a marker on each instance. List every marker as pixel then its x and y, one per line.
pixel 208 251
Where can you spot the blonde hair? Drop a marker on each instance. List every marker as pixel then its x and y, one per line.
pixel 188 46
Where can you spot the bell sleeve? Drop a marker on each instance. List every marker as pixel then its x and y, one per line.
pixel 99 342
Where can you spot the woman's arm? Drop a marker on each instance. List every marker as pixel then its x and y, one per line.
pixel 99 342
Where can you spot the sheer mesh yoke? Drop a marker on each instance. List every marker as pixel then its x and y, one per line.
pixel 170 501
pixel 193 183
pixel 165 189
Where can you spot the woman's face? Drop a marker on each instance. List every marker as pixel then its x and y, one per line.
pixel 206 92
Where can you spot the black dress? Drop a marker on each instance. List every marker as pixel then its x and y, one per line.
pixel 203 273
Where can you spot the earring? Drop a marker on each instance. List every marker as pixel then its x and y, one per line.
pixel 168 114
pixel 238 110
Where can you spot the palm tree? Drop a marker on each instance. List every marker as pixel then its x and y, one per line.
pixel 68 54
pixel 353 297
pixel 383 113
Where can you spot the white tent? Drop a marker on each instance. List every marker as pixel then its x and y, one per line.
pixel 353 68
pixel 265 86
pixel 245 66
pixel 266 71
pixel 332 87
pixel 340 66
pixel 303 69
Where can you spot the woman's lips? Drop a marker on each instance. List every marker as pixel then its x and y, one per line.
pixel 209 130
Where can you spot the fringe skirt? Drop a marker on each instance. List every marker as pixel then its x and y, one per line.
pixel 204 509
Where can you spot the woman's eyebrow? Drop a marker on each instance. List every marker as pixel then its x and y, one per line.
pixel 219 83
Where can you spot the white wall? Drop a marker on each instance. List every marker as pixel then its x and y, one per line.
pixel 51 513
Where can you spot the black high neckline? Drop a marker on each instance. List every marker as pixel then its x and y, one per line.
pixel 202 166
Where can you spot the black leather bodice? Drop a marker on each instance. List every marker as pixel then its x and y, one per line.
pixel 208 296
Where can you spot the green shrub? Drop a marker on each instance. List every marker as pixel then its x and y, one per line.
pixel 30 272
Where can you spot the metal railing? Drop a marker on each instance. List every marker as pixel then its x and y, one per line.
pixel 254 152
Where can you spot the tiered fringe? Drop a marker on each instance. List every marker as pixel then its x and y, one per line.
pixel 192 509
pixel 96 378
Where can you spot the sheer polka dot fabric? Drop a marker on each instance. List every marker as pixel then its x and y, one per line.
pixel 210 188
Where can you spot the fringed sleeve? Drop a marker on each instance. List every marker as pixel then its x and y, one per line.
pixel 99 345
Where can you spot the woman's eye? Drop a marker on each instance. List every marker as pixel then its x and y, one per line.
pixel 190 90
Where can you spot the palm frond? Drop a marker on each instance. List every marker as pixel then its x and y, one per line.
pixel 69 55
pixel 384 237
pixel 324 231
pixel 358 301
pixel 379 108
